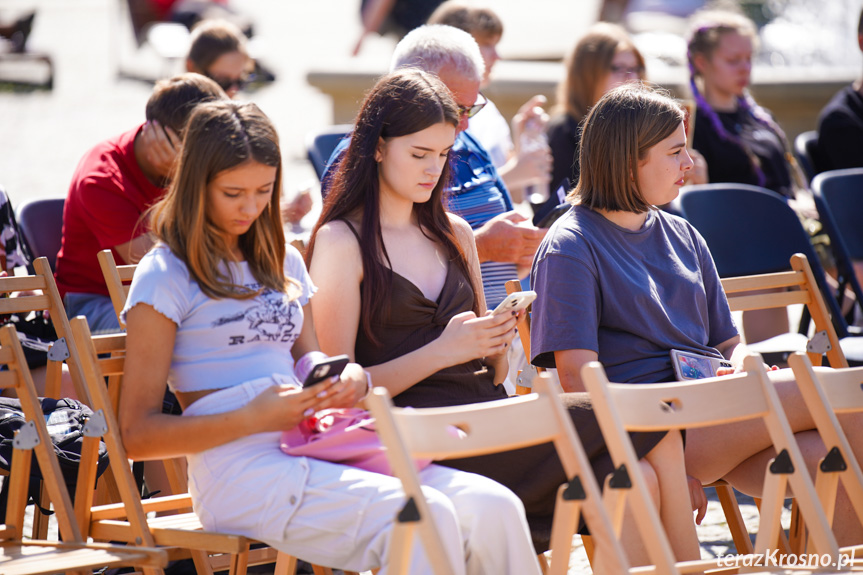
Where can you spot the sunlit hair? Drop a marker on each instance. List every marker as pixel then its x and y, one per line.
pixel 222 136
pixel 480 22
pixel 618 133
pixel 589 64
pixel 172 100
pixel 706 31
pixel 211 39
pixel 434 47
pixel 402 103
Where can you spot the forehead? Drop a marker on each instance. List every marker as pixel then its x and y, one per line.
pixel 436 137
pixel 229 65
pixel 732 41
pixel 464 90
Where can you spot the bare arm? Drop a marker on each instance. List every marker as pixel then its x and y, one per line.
pixel 149 434
pixel 569 363
pixel 336 269
pixel 508 238
pixel 132 252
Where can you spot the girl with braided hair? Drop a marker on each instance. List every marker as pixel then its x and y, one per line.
pixel 739 139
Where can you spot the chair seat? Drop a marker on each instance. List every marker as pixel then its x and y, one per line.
pixel 33 558
pixel 852 347
pixel 786 342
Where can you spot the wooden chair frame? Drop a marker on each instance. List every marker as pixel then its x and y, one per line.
pixel 18 557
pixel 724 491
pixel 117 278
pixel 488 428
pixel 104 356
pixel 622 408
pixel 47 300
pixel 827 393
pixel 45 297
pixel 800 288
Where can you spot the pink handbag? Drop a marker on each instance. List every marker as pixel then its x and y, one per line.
pixel 345 436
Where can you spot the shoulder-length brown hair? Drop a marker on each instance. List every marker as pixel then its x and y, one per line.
pixel 221 136
pixel 618 132
pixel 401 103
pixel 589 64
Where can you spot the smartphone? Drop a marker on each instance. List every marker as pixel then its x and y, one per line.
pixel 515 301
pixel 689 365
pixel 326 368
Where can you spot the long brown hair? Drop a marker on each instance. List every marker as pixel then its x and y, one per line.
pixel 221 136
pixel 618 132
pixel 588 64
pixel 401 103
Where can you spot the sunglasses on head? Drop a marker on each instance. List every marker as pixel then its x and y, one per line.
pixel 230 83
pixel 471 111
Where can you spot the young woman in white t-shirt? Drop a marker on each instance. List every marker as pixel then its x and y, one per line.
pixel 220 310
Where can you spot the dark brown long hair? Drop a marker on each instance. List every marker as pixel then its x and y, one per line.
pixel 401 103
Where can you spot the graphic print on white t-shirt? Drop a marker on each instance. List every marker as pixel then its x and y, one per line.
pixel 270 318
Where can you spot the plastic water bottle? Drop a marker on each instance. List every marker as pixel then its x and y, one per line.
pixel 533 139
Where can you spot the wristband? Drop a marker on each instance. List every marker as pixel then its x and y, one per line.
pixel 305 364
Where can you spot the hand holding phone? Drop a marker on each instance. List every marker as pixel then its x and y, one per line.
pixel 325 368
pixel 515 302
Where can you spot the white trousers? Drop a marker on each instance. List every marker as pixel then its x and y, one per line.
pixel 342 516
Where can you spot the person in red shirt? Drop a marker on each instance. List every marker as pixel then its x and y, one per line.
pixel 113 185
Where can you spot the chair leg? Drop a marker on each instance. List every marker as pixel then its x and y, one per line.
pixel 543 563
pixel 239 563
pixel 202 562
pixel 739 532
pixel 589 548
pixel 285 564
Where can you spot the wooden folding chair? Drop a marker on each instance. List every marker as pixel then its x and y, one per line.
pixel 724 491
pixel 799 287
pixel 44 296
pixel 826 393
pixel 622 408
pixel 488 428
pixel 18 557
pixel 118 280
pixel 104 356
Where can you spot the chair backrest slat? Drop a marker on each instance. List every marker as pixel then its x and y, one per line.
pixel 762 281
pixel 475 430
pixel 23 304
pixel 689 404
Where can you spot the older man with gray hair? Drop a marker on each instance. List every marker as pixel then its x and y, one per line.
pixel 504 240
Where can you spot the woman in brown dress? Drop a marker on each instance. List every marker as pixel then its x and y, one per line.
pixel 399 291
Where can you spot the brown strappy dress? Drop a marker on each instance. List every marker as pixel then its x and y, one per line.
pixel 533 473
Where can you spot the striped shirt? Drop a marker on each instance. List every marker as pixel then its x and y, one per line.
pixel 477 194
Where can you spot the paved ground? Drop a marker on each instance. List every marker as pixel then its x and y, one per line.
pixel 44 133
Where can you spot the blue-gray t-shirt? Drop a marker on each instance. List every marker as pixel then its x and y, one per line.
pixel 629 296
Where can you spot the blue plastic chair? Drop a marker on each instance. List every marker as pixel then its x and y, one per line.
pixel 751 230
pixel 807 153
pixel 41 224
pixel 320 145
pixel 839 199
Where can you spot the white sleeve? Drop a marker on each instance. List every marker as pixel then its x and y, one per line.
pixel 162 281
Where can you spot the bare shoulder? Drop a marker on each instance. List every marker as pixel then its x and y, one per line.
pixel 336 244
pixel 336 235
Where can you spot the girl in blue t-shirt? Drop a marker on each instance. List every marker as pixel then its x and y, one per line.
pixel 624 283
pixel 220 310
